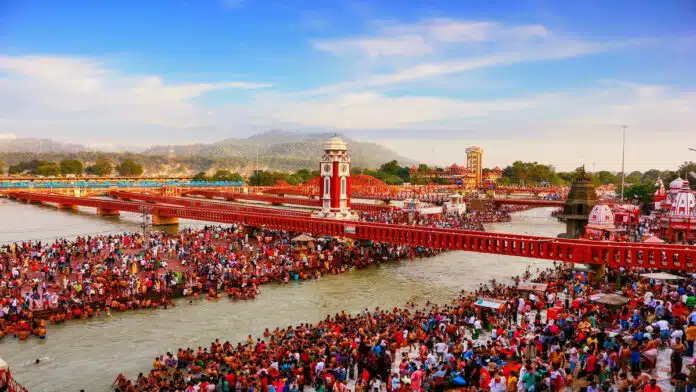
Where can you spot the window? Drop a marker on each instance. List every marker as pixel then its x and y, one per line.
pixel 343 186
pixel 326 185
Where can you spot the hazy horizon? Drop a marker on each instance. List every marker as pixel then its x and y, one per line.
pixel 531 80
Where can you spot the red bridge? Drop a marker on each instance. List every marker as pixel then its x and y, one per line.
pixel 664 256
pixel 279 200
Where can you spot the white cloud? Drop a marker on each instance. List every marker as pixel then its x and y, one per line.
pixel 82 90
pixel 427 36
pixel 373 110
pixel 560 50
pixel 404 45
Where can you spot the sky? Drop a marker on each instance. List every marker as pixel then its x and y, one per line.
pixel 549 81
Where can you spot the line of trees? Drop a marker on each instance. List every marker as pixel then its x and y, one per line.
pixel 528 173
pixel 66 167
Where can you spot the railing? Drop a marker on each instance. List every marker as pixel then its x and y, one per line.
pixel 628 255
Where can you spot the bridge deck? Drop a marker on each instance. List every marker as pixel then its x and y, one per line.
pixel 663 256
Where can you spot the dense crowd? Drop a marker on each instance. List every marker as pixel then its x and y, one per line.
pixel 556 337
pixel 86 276
pixel 473 220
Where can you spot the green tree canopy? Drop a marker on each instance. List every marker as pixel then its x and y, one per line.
pixel 71 166
pixel 689 170
pixel 102 167
pixel 528 172
pixel 129 168
pixel 226 175
pixel 200 177
pixel 606 177
pixel 48 169
pixel 391 167
pixel 643 193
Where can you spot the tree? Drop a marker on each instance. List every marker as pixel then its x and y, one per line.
pixel 200 177
pixel 262 178
pixel 643 193
pixel 129 168
pixel 391 167
pixel 304 175
pixel 70 166
pixel 650 176
pixel 689 170
pixel 48 169
pixel 606 177
pixel 2 167
pixel 423 168
pixel 393 179
pixel 102 167
pixel 356 170
pixel 634 177
pixel 226 175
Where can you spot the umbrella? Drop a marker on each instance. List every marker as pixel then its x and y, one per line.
pixel 653 240
pixel 303 238
pixel 609 299
pixel 662 276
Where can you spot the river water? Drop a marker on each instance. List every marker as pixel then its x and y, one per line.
pixel 89 354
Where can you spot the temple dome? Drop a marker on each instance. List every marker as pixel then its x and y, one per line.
pixel 678 183
pixel 335 144
pixel 683 205
pixel 601 216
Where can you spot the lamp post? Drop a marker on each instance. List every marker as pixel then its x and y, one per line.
pixel 623 156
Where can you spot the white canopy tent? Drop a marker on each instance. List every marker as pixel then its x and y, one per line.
pixel 662 276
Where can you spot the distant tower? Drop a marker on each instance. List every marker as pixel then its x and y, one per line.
pixel 171 156
pixel 576 210
pixel 474 163
pixel 334 187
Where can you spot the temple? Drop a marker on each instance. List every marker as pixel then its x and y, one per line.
pixel 678 216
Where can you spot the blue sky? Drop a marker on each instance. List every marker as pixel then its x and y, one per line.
pixel 542 80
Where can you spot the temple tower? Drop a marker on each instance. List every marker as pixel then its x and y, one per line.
pixel 576 210
pixel 334 187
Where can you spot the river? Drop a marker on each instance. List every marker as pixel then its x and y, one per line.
pixel 89 354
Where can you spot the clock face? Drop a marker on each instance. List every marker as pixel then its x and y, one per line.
pixel 344 168
pixel 327 168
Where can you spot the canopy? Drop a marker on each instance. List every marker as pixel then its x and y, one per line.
pixel 609 299
pixel 530 286
pixel 303 238
pixel 662 276
pixel 653 240
pixel 489 303
pixel 3 365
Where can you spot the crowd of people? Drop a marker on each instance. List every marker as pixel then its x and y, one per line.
pixel 556 336
pixel 88 276
pixel 473 220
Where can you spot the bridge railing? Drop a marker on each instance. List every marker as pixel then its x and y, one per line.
pixel 628 255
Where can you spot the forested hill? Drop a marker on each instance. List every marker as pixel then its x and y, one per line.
pixel 282 150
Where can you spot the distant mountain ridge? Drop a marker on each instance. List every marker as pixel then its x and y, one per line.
pixel 49 146
pixel 277 151
pixel 280 146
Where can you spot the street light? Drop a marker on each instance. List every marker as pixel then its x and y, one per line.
pixel 692 149
pixel 623 159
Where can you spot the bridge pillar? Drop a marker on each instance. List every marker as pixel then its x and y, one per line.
pixel 67 207
pixel 108 212
pixel 159 220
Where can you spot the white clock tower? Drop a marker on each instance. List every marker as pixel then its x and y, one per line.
pixel 334 187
